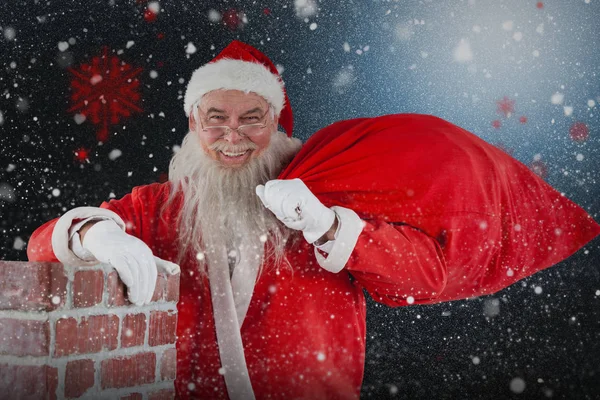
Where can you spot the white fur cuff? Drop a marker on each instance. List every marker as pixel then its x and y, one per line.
pixel 60 234
pixel 350 228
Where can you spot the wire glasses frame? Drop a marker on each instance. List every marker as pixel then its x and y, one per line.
pixel 248 130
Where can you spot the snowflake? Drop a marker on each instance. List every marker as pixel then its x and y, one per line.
pixel 506 106
pixel 104 91
pixel 496 124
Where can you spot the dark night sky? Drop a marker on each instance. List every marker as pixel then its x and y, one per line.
pixel 339 59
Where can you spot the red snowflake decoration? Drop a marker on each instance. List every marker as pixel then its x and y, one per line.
pixel 105 91
pixel 267 11
pixel 540 5
pixel 523 119
pixel 82 154
pixel 506 106
pixel 496 124
pixel 579 132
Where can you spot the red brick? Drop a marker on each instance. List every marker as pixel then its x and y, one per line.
pixel 88 287
pixel 32 286
pixel 168 364
pixel 163 327
pixel 134 330
pixel 28 381
pixel 161 287
pixel 92 335
pixel 133 396
pixel 116 291
pixel 66 341
pixel 130 371
pixel 51 382
pixel 79 377
pixel 164 394
pixel 24 337
pixel 173 288
pixel 167 288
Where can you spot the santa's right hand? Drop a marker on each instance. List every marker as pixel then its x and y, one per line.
pixel 130 256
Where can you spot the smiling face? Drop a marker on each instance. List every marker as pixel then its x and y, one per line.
pixel 232 108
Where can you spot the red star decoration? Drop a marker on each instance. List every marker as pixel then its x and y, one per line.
pixel 160 36
pixel 82 154
pixel 539 167
pixel 540 5
pixel 105 91
pixel 496 124
pixel 267 11
pixel 506 106
pixel 523 119
pixel 579 132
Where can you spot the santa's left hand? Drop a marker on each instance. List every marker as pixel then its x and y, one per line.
pixel 294 204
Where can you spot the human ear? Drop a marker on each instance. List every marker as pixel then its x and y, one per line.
pixel 192 122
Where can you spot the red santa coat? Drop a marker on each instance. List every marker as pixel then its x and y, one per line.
pixel 304 332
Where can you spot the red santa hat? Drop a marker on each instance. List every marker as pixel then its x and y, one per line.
pixel 241 67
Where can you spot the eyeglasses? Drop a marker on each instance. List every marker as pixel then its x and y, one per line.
pixel 249 130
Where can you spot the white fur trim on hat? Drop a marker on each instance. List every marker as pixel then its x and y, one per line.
pixel 230 74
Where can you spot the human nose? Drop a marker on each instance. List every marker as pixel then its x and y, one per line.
pixel 233 136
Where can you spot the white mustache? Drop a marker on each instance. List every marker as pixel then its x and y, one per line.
pixel 224 146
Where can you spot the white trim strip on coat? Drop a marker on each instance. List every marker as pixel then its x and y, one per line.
pixel 244 279
pixel 229 338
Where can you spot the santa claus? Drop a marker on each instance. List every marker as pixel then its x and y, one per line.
pixel 272 272
pixel 271 302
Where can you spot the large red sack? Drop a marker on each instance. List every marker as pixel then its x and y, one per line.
pixel 496 221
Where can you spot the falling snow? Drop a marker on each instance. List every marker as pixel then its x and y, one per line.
pixel 518 74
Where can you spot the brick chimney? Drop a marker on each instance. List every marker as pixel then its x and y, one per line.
pixel 69 332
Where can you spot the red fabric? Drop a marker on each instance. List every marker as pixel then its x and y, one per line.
pixel 496 221
pixel 237 50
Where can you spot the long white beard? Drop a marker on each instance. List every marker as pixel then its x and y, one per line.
pixel 220 205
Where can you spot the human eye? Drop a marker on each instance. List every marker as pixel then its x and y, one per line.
pixel 251 119
pixel 216 118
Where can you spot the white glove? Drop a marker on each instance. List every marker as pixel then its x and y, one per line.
pixel 294 204
pixel 130 256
